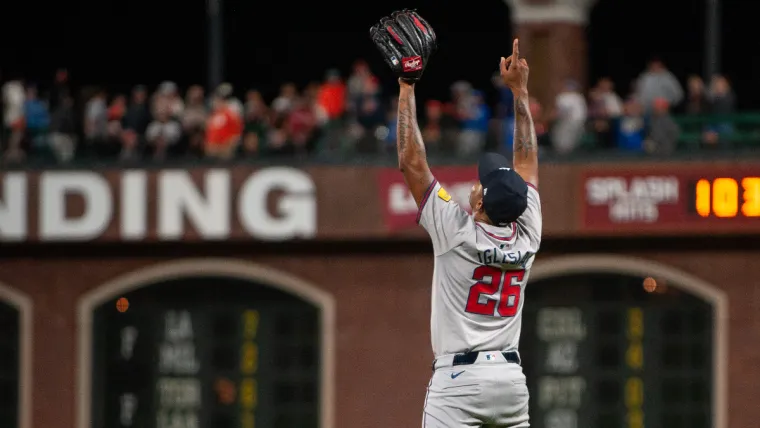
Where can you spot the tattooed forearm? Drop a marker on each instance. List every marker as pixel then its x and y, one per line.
pixel 412 160
pixel 410 147
pixel 525 145
pixel 403 127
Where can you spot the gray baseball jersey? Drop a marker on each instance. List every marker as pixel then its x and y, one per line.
pixel 480 274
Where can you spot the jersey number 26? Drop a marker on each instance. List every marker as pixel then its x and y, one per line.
pixel 490 279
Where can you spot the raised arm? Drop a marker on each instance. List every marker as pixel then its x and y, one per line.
pixel 412 159
pixel 525 154
pixel 514 72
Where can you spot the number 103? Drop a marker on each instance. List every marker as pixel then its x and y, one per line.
pixel 722 197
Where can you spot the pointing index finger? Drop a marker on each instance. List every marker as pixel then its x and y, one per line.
pixel 516 50
pixel 515 54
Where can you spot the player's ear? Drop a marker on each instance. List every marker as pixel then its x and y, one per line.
pixel 478 205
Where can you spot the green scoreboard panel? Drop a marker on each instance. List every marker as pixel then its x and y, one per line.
pixel 207 353
pixel 9 365
pixel 601 352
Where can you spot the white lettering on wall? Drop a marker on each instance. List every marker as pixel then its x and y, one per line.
pixel 180 204
pixel 178 197
pixel 632 200
pixel 134 205
pixel 98 206
pixel 401 201
pixel 13 207
pixel 296 211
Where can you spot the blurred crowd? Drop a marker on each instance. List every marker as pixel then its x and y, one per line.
pixel 341 115
pixel 642 121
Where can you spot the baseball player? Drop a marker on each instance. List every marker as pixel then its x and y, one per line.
pixel 482 261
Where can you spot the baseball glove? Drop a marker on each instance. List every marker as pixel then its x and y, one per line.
pixel 406 42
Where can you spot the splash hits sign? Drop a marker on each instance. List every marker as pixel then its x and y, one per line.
pixel 630 199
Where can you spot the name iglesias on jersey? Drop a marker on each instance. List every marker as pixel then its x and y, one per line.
pixel 496 256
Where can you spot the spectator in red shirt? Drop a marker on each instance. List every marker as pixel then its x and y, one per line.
pixel 223 130
pixel 332 95
pixel 300 125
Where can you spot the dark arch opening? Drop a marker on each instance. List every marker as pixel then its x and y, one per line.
pixel 9 365
pixel 215 349
pixel 597 348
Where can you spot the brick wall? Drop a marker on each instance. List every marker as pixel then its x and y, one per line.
pixel 383 346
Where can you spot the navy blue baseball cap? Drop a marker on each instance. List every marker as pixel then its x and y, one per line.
pixel 505 193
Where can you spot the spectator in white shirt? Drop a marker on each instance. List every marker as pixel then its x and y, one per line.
pixel 162 134
pixel 167 97
pixel 96 117
pixel 13 119
pixel 569 125
pixel 613 105
pixel 284 101
pixel 658 82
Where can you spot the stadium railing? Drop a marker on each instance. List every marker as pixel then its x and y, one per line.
pixel 740 138
pixel 738 131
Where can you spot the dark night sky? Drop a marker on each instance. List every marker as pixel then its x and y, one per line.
pixel 146 41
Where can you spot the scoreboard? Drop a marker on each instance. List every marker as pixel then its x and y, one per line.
pixel 207 352
pixel 599 351
pixel 683 201
pixel 9 365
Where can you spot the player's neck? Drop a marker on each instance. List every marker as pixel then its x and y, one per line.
pixel 482 218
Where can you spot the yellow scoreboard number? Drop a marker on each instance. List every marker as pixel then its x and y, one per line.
pixel 726 197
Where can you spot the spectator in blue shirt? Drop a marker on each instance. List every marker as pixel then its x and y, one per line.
pixel 474 124
pixel 35 111
pixel 631 128
pixel 37 116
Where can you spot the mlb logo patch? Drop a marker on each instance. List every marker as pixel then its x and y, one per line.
pixel 394 60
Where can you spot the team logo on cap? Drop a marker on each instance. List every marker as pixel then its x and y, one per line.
pixel 444 195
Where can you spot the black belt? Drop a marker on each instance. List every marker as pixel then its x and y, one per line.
pixel 468 358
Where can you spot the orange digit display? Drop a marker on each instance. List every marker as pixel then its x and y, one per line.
pixel 722 197
pixel 751 196
pixel 703 201
pixel 725 198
